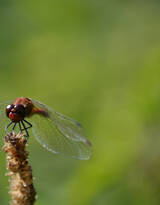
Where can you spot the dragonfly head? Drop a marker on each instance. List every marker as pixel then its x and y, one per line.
pixel 16 113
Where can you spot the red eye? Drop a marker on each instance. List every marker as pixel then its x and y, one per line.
pixel 8 109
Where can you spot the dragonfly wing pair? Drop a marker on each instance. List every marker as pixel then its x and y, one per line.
pixel 55 132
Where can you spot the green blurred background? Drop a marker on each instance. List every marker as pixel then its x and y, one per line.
pixel 98 62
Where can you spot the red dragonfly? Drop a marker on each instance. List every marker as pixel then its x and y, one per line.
pixel 54 131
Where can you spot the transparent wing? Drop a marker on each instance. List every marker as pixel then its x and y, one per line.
pixel 4 120
pixel 60 134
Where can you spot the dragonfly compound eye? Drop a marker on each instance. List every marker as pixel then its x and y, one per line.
pixel 19 110
pixel 8 109
pixel 17 113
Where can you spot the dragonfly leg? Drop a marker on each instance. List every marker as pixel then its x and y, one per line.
pixel 8 126
pixel 24 128
pixel 20 127
pixel 14 126
pixel 30 125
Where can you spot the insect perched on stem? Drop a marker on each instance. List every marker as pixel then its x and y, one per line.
pixel 54 131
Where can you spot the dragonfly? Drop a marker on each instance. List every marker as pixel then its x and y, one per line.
pixel 54 131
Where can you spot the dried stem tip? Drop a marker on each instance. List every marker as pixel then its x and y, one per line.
pixel 21 180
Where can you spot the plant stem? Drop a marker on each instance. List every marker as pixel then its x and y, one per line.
pixel 22 190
